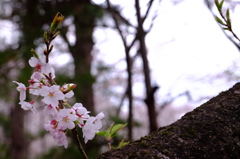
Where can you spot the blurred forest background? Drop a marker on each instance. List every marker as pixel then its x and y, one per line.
pixel 128 58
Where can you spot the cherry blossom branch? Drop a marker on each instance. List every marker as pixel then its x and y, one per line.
pixel 64 116
pixel 53 34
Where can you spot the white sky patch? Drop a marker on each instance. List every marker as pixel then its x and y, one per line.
pixel 6 38
pixel 195 44
pixel 62 59
pixel 109 44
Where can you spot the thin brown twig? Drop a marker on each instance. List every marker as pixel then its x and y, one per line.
pixel 129 70
pixel 148 9
pixel 75 134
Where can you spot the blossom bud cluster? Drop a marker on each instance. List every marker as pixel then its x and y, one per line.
pixel 42 83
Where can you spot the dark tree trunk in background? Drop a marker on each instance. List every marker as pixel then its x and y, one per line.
pixel 18 148
pixel 129 61
pixel 150 102
pixel 28 15
pixel 210 131
pixel 84 14
pixel 140 35
pixel 84 22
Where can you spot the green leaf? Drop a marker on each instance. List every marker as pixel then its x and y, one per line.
pixel 101 133
pixel 117 127
pixel 108 131
pixel 219 20
pixel 228 14
pixel 35 54
pixel 228 18
pixel 226 29
pixel 121 144
pixel 56 22
pixel 45 36
pixel 216 3
pixel 221 4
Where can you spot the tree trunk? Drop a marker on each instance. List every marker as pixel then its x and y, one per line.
pixel 18 146
pixel 127 49
pixel 29 15
pixel 150 102
pixel 210 131
pixel 83 58
pixel 85 15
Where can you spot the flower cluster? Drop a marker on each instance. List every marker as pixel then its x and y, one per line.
pixel 64 117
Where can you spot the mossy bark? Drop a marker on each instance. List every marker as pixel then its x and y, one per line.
pixel 210 131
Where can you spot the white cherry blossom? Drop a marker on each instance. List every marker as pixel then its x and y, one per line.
pixel 51 126
pixel 28 106
pixel 65 88
pixel 81 113
pixel 66 119
pixel 98 122
pixel 89 129
pixel 22 89
pixel 51 95
pixel 37 76
pixel 41 83
pixel 58 135
pixel 61 138
pixel 41 65
pixel 50 110
pixel 92 126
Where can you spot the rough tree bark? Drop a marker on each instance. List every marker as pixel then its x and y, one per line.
pixel 210 131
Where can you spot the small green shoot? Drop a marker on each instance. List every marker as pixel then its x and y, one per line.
pixel 111 132
pixel 225 19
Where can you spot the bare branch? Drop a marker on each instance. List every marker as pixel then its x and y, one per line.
pixel 129 71
pixel 148 9
pixel 116 13
pixel 151 25
pixel 116 24
pixel 150 90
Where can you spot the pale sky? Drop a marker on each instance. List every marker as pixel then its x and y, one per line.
pixel 184 42
pixel 198 48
